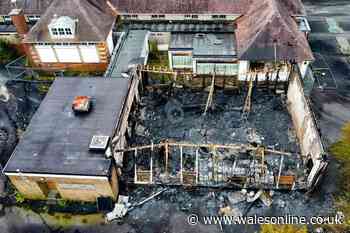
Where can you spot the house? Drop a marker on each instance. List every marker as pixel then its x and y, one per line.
pixel 266 35
pixel 63 154
pixel 75 35
pixel 203 53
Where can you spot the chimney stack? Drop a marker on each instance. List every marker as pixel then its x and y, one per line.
pixel 18 19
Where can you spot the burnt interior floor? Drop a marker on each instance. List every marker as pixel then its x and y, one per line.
pixel 177 116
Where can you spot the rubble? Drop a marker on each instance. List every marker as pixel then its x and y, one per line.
pixel 236 197
pixel 266 199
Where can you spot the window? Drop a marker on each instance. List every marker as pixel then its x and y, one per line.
pixel 61 31
pixel 161 16
pixel 182 61
pixel 194 16
pixel 134 16
pixel 154 16
pixel 62 27
pixel 220 69
pixel 215 16
pixel 222 16
pixel 188 16
pixel 7 18
pixel 33 18
pixel 54 31
pixel 68 31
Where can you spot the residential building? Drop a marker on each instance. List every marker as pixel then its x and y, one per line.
pixel 74 35
pixel 56 157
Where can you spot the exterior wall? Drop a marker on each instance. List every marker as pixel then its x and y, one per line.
pixel 305 126
pixel 69 188
pixel 160 17
pixel 243 68
pixel 110 42
pixel 303 66
pixel 245 73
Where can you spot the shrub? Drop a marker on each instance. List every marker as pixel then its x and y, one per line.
pixel 8 52
pixel 268 228
pixel 19 198
pixel 341 151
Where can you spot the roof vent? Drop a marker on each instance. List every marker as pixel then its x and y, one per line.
pixel 99 142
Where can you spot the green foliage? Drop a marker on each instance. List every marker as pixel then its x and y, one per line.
pixel 8 52
pixel 19 197
pixel 268 228
pixel 62 203
pixel 341 151
pixel 153 49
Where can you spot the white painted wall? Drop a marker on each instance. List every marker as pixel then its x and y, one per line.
pixel 243 67
pixel 89 54
pixel 110 42
pixel 67 53
pixel 46 53
pixel 305 126
pixel 303 66
pixel 180 17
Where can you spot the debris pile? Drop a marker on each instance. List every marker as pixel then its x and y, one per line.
pixel 191 147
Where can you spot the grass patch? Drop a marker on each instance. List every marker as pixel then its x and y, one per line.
pixel 268 228
pixel 341 151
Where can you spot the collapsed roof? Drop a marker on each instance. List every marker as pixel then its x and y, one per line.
pixel 268 32
pixel 94 18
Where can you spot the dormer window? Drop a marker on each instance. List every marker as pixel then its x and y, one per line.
pixel 62 27
pixel 68 31
pixel 54 31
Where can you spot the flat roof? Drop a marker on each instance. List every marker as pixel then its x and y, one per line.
pixel 182 26
pixel 57 141
pixel 205 44
pixel 132 51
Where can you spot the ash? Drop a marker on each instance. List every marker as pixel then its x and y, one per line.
pixel 177 115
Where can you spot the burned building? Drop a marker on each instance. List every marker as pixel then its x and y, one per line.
pixel 227 110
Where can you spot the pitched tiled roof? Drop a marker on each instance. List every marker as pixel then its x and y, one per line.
pixel 94 20
pixel 181 6
pixel 30 7
pixel 268 31
pixel 194 6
